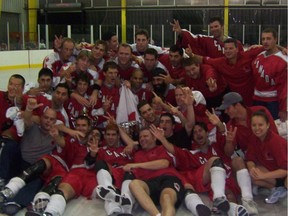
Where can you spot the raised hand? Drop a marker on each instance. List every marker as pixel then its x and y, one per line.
pixel 32 104
pixel 213 118
pixel 212 85
pixel 176 26
pixel 231 133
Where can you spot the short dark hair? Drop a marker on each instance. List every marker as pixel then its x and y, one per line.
pixel 18 76
pixel 86 118
pixel 109 64
pixel 231 40
pixel 82 77
pixel 214 19
pixel 102 42
pixel 141 104
pixel 271 30
pixel 151 51
pixel 169 115
pixel 45 72
pixel 142 32
pixel 64 85
pixel 175 48
pixel 202 125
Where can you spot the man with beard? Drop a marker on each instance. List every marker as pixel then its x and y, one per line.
pixel 161 88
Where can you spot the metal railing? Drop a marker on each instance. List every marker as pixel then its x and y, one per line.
pixel 160 35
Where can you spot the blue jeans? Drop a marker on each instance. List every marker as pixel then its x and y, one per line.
pixel 10 158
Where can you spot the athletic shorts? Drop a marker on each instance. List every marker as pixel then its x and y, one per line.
pixel 157 185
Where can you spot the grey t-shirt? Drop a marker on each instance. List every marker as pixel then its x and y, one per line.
pixel 35 143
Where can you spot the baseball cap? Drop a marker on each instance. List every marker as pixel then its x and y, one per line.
pixel 229 99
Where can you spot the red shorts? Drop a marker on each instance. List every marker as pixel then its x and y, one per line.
pixel 82 180
pixel 57 169
pixel 195 177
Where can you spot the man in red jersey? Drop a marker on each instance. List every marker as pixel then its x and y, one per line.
pixel 270 75
pixel 211 46
pixel 240 117
pixel 235 68
pixel 203 78
pixel 173 63
pixel 55 60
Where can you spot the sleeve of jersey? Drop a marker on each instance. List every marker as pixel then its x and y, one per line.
pixel 279 150
pixel 186 38
pixel 209 71
pixel 183 159
pixel 281 85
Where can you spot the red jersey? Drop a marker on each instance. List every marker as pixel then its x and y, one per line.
pixel 239 75
pixel 271 153
pixel 113 156
pixel 270 75
pixel 5 123
pixel 143 94
pixel 107 92
pixel 156 153
pixel 75 109
pixel 175 72
pixel 244 136
pixel 204 45
pixel 194 159
pixel 206 72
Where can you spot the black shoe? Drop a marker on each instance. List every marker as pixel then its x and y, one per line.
pixel 203 210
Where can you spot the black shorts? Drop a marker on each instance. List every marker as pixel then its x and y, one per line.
pixel 156 185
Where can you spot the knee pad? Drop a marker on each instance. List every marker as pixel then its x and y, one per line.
pixel 60 192
pixel 101 165
pixel 52 186
pixel 33 171
pixel 218 163
pixel 129 176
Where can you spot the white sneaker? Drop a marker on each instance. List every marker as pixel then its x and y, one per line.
pixel 106 193
pixel 251 206
pixel 126 204
pixel 237 210
pixel 40 202
pixel 112 207
pixel 276 194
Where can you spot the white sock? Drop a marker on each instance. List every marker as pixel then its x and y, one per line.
pixel 104 178
pixel 244 182
pixel 15 184
pixel 126 191
pixel 191 201
pixel 218 180
pixel 41 195
pixel 232 210
pixel 57 205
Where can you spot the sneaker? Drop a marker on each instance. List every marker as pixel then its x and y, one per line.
pixel 40 202
pixel 221 204
pixel 276 194
pixel 251 206
pixel 203 210
pixel 237 210
pixel 5 194
pixel 108 193
pixel 126 204
pixel 112 207
pixel 11 208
